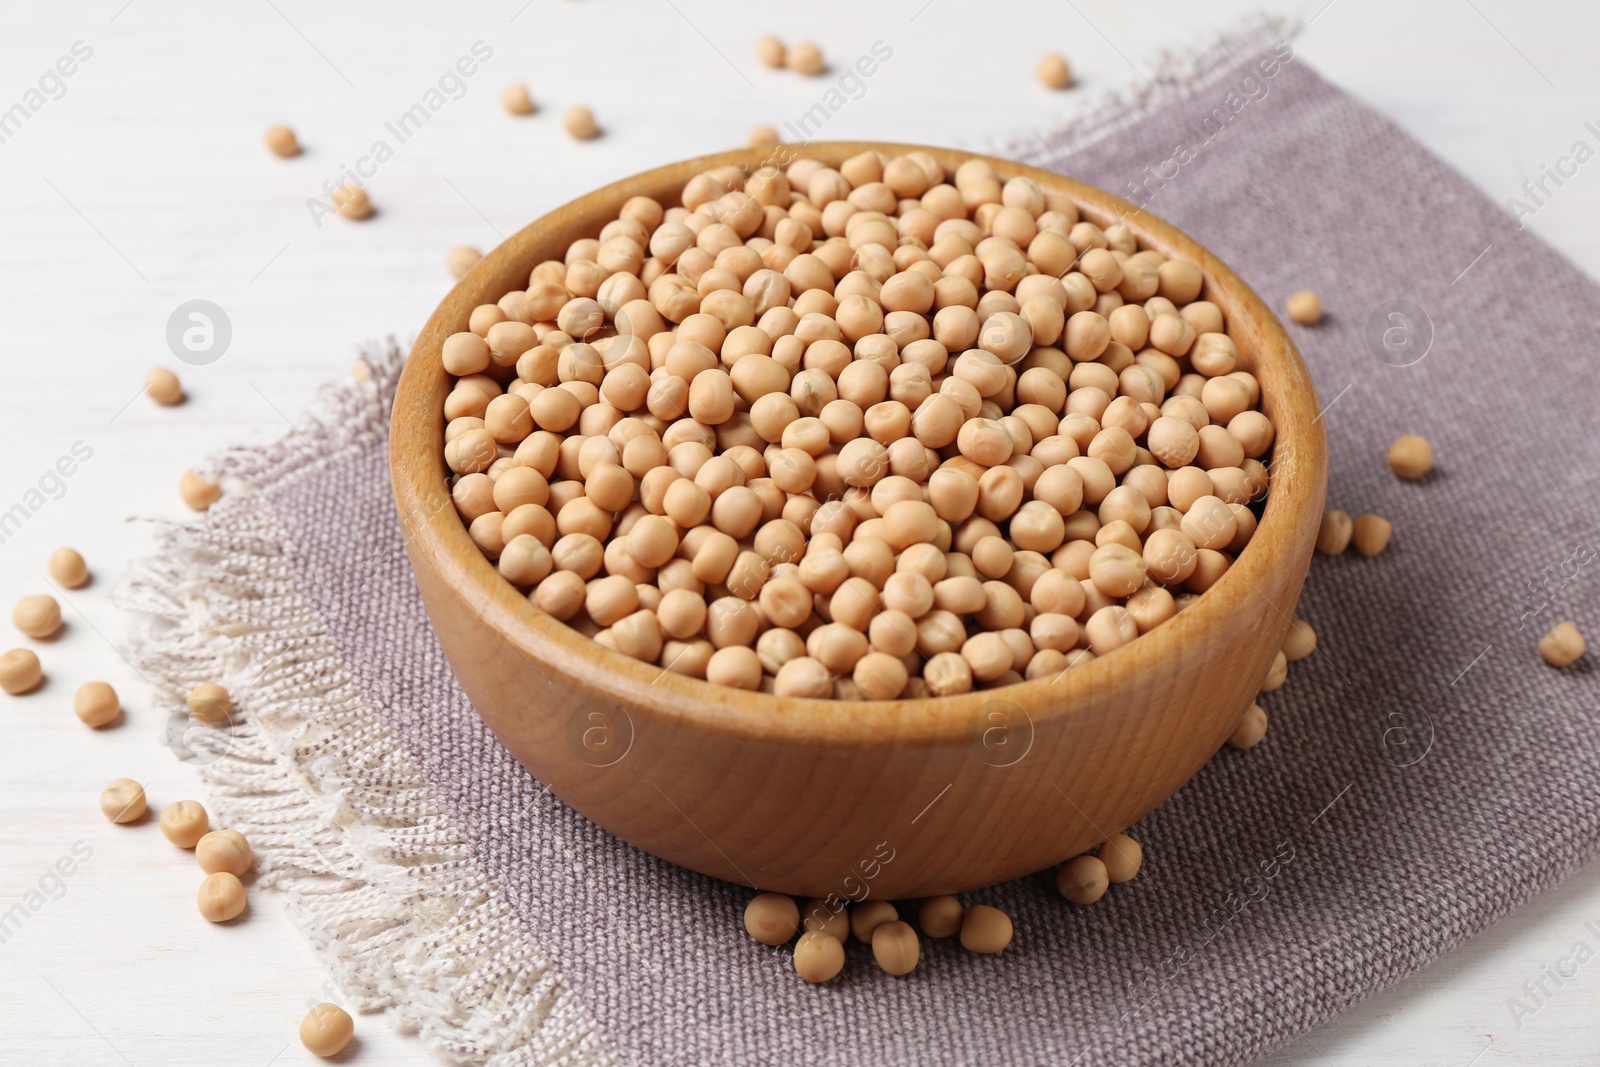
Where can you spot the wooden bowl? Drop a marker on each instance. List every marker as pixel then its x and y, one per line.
pixel 896 799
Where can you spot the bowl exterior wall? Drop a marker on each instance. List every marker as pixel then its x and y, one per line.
pixel 893 800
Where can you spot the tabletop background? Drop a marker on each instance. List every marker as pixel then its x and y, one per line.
pixel 140 182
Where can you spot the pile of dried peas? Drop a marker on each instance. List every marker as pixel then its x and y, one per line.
pixel 864 432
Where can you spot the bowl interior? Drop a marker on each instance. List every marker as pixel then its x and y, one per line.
pixel 1297 466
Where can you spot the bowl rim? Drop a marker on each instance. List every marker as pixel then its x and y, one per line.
pixel 422 498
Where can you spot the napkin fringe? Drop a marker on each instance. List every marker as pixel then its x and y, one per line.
pixel 375 870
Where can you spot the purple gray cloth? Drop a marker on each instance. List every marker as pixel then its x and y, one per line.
pixel 1424 773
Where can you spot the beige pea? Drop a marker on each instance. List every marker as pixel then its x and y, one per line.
pixel 653 539
pixel 19 671
pixel 184 823
pixel 515 99
pixel 38 616
pixel 352 202
pixel 880 676
pixel 1251 729
pixel 1054 71
pixel 326 1030
pixel 96 704
pixel 163 387
pixel 224 850
pixel 988 656
pixel 1371 534
pixel 764 135
pixel 1299 641
pixel 461 259
pixel 1305 307
pixel 985 930
pixel 1122 857
pixel 772 918
pixel 122 801
pixel 282 142
pixel 1333 536
pixel 1210 523
pixel 1116 570
pixel 771 51
pixel 1109 628
pixel 895 947
pixel 828 917
pixel 818 957
pixel 1083 880
pixel 1411 457
pixel 946 673
pixel 197 492
pixel 806 58
pixel 941 916
pixel 867 916
pixel 580 124
pixel 1562 646
pixel 221 897
pixel 735 666
pixel 67 568
pixel 209 703
pixel 1277 674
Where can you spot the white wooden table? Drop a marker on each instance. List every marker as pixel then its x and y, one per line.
pixel 140 182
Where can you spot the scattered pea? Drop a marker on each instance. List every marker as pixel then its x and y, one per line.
pixel 221 897
pixel 19 671
pixel 67 568
pixel 771 52
pixel 1122 858
pixel 461 259
pixel 209 704
pixel 1305 307
pixel 123 801
pixel 1054 70
pixel 941 916
pixel 1562 646
pixel 772 918
pixel 1083 880
pixel 822 916
pixel 515 99
pixel 895 947
pixel 580 124
pixel 164 387
pixel 282 141
pixel 984 929
pixel 96 704
pixel 1371 534
pixel 224 850
pixel 326 1030
pixel 1411 457
pixel 806 58
pixel 352 202
pixel 1333 537
pixel 1276 674
pixel 868 916
pixel 38 616
pixel 1251 729
pixel 818 957
pixel 764 135
pixel 184 823
pixel 198 492
pixel 1300 640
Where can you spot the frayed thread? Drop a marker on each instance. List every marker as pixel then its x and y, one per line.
pixel 375 871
